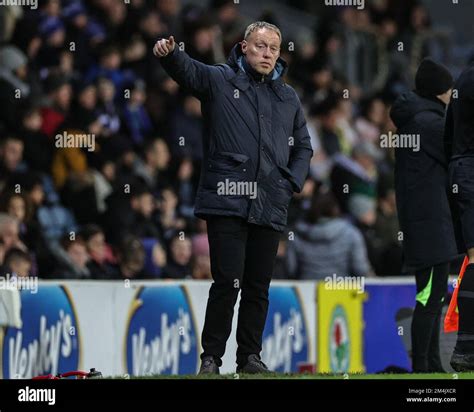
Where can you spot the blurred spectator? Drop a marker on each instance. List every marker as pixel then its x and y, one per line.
pixel 179 259
pixel 355 175
pixel 107 109
pixel 325 244
pixel 101 260
pixel 155 259
pixel 154 167
pixel 38 151
pixel 59 94
pixel 53 35
pixel 131 259
pixel 201 257
pixel 17 263
pixel 11 156
pixel 135 116
pixel 388 254
pixel 169 220
pixel 186 130
pixel 369 125
pixel 282 268
pixel 2 253
pixel 72 260
pixel 230 22
pixel 13 84
pixel 10 233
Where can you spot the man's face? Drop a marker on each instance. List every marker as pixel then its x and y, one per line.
pixel 262 49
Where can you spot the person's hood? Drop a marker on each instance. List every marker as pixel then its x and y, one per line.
pixel 236 57
pixel 410 104
pixel 11 59
pixel 323 231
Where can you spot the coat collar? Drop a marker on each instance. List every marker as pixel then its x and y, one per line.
pixel 241 79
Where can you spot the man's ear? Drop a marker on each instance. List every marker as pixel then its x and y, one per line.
pixel 244 46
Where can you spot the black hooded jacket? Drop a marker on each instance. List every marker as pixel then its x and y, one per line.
pixel 421 183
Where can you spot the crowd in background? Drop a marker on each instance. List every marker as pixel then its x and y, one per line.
pixel 122 207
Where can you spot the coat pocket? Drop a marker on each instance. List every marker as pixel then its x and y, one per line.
pixel 280 191
pixel 225 168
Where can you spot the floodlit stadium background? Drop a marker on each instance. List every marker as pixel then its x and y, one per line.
pixel 104 227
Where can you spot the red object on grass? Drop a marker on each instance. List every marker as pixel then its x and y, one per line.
pixel 78 374
pixel 451 320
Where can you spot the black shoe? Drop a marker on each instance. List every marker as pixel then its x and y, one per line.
pixel 208 366
pixel 254 365
pixel 462 362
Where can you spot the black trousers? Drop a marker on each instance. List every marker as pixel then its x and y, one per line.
pixel 431 288
pixel 242 259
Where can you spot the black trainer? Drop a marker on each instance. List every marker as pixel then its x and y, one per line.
pixel 208 366
pixel 462 362
pixel 253 366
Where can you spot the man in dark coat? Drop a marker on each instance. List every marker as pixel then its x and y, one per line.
pixel 257 152
pixel 422 203
pixel 459 145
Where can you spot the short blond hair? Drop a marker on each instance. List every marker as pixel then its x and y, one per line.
pixel 261 25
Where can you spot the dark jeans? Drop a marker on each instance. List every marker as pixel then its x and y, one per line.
pixel 242 258
pixel 431 288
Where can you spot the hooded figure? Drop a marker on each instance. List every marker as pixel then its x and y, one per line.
pixel 13 85
pixel 422 204
pixel 421 174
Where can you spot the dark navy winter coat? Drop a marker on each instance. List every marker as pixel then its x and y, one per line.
pixel 255 131
pixel 421 184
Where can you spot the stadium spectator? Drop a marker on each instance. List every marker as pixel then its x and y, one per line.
pixel 179 264
pixel 131 259
pixel 72 258
pixel 325 244
pixel 59 96
pixel 101 260
pixel 11 156
pixel 17 263
pixel 201 257
pixel 135 116
pixel 153 169
pixel 170 220
pixel 38 151
pixel 107 108
pixel 13 84
pixel 10 232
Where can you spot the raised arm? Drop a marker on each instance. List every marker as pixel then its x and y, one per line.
pixel 187 72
